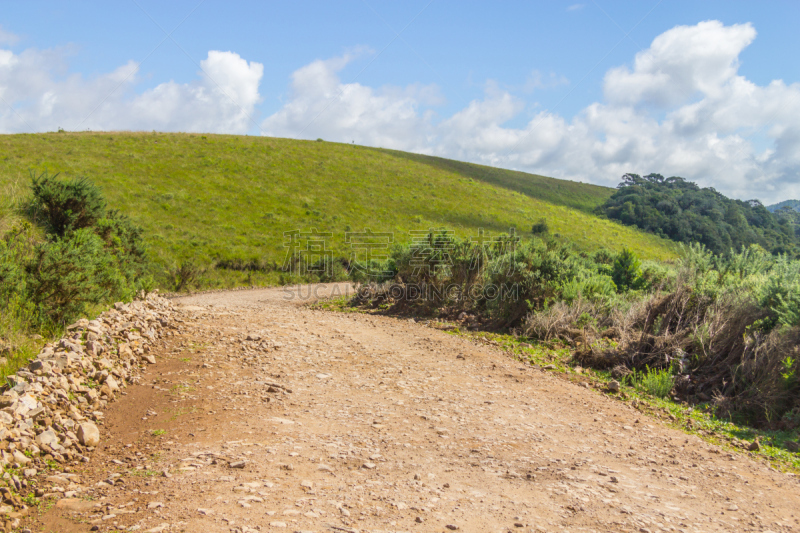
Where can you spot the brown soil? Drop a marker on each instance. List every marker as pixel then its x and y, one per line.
pixel 391 426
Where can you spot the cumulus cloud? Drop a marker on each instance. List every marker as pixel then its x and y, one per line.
pixel 681 108
pixel 681 63
pixel 39 96
pixel 321 106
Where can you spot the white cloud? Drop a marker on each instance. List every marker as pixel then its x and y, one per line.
pixel 40 97
pixel 681 109
pixel 576 7
pixel 681 63
pixel 321 106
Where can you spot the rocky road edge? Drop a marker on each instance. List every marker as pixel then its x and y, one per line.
pixel 51 412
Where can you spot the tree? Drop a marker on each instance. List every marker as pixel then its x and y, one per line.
pixel 627 270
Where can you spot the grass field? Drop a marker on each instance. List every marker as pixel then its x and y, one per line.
pixel 211 197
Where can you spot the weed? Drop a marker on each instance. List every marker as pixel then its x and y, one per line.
pixel 657 383
pixel 158 432
pixel 182 411
pixel 181 389
pixel 144 473
pixel 31 500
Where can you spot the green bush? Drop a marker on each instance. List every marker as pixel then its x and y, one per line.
pixel 538 271
pixel 780 294
pixel 67 274
pixel 65 205
pixel 592 287
pixel 11 275
pixel 87 255
pixel 540 227
pixel 627 270
pixel 124 241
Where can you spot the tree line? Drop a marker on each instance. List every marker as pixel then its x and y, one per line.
pixel 682 211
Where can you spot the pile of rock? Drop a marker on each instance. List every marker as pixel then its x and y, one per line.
pixel 50 410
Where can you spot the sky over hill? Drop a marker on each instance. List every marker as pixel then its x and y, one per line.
pixel 583 91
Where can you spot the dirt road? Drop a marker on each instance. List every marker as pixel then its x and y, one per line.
pixel 346 422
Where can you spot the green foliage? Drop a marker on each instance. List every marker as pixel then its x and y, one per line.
pixel 74 256
pixel 658 383
pixel 627 270
pixel 590 286
pixel 780 293
pixel 540 227
pixel 11 275
pixel 794 205
pixel 788 373
pixel 682 211
pixel 69 273
pixel 513 277
pixel 66 205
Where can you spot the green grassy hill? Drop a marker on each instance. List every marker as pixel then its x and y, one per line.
pixel 213 197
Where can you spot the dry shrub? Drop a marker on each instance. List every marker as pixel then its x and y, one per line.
pixel 713 342
pixel 557 321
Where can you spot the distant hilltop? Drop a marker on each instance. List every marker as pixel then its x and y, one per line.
pixel 794 204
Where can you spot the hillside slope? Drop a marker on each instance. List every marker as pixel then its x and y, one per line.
pixel 223 196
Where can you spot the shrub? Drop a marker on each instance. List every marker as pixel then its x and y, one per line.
pixel 69 273
pixel 627 270
pixel 333 271
pixel 123 240
pixel 247 265
pixel 12 275
pixel 780 294
pixel 540 227
pixel 562 321
pixel 65 205
pixel 655 276
pixel 185 275
pixel 590 286
pixel 538 270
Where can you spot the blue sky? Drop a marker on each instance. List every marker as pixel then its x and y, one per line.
pixel 507 84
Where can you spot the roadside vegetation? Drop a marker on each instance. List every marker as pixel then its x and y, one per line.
pixel 63 254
